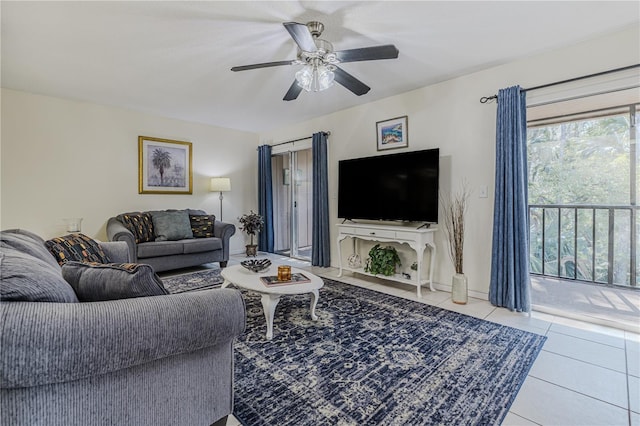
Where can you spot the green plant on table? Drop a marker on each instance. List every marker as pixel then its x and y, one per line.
pixel 382 260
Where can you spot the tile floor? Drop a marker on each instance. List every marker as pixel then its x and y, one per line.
pixel 586 374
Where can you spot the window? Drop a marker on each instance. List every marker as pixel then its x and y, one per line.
pixel 582 193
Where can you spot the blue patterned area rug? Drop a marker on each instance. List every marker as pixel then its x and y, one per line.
pixel 200 280
pixel 375 359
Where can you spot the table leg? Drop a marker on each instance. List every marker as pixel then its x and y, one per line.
pixel 314 300
pixel 432 247
pixel 419 257
pixel 226 284
pixel 340 256
pixel 269 303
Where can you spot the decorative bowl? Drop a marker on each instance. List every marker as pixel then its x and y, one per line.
pixel 256 265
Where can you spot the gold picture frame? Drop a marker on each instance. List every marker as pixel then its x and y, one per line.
pixel 164 166
pixel 393 133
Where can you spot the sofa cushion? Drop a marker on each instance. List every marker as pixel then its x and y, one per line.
pixel 28 242
pixel 76 247
pixel 171 225
pixel 160 248
pixel 200 245
pixel 26 278
pixel 140 224
pixel 94 282
pixel 202 225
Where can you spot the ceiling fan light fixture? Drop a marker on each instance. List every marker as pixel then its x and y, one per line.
pixel 315 78
pixel 324 76
pixel 319 61
pixel 304 77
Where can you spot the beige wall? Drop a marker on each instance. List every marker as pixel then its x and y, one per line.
pixel 62 158
pixel 449 116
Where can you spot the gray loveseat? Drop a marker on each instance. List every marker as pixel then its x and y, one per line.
pixel 171 247
pixel 160 360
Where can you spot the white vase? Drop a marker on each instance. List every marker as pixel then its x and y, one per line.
pixel 459 289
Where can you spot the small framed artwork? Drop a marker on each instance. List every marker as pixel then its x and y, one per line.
pixel 392 133
pixel 164 166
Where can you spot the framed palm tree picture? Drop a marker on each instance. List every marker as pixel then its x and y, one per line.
pixel 164 166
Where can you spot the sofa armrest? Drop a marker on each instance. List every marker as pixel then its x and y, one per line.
pixel 117 251
pixel 46 343
pixel 116 231
pixel 224 231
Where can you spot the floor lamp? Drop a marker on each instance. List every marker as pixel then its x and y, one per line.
pixel 220 184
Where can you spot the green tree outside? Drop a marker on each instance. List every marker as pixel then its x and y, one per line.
pixel 581 161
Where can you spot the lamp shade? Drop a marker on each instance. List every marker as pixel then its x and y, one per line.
pixel 221 184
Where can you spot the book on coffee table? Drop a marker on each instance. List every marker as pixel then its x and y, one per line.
pixel 296 278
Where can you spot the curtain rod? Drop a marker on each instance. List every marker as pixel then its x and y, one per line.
pixel 486 99
pixel 298 140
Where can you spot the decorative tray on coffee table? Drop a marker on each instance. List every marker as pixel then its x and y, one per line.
pixel 256 265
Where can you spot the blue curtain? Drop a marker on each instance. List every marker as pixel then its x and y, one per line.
pixel 320 244
pixel 265 198
pixel 510 285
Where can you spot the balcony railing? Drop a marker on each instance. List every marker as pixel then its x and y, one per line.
pixel 594 243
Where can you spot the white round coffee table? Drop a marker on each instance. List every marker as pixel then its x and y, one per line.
pixel 243 278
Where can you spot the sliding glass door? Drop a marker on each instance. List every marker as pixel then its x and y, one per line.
pixel 292 203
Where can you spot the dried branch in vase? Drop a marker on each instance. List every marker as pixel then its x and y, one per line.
pixel 455 208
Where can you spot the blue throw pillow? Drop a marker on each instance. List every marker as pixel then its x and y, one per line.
pixel 171 225
pixel 93 282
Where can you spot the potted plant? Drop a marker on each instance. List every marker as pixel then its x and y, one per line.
pixel 455 208
pixel 251 224
pixel 382 260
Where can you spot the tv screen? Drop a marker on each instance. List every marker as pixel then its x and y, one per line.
pixel 394 187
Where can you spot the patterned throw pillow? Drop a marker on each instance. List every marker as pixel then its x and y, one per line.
pixel 140 225
pixel 94 282
pixel 202 225
pixel 76 247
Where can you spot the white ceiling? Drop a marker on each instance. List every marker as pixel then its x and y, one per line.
pixel 173 58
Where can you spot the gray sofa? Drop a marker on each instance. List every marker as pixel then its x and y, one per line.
pixel 174 254
pixel 161 360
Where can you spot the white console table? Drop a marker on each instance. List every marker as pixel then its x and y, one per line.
pixel 417 239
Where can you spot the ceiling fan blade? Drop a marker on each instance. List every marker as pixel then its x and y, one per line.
pixel 293 92
pixel 387 51
pixel 301 35
pixel 263 65
pixel 350 82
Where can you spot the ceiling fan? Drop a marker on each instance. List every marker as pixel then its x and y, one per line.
pixel 320 61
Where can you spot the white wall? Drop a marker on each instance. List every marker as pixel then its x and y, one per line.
pixel 449 115
pixel 62 158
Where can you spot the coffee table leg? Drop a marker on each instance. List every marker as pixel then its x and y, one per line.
pixel 314 300
pixel 269 303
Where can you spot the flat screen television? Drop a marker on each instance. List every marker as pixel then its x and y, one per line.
pixel 392 187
